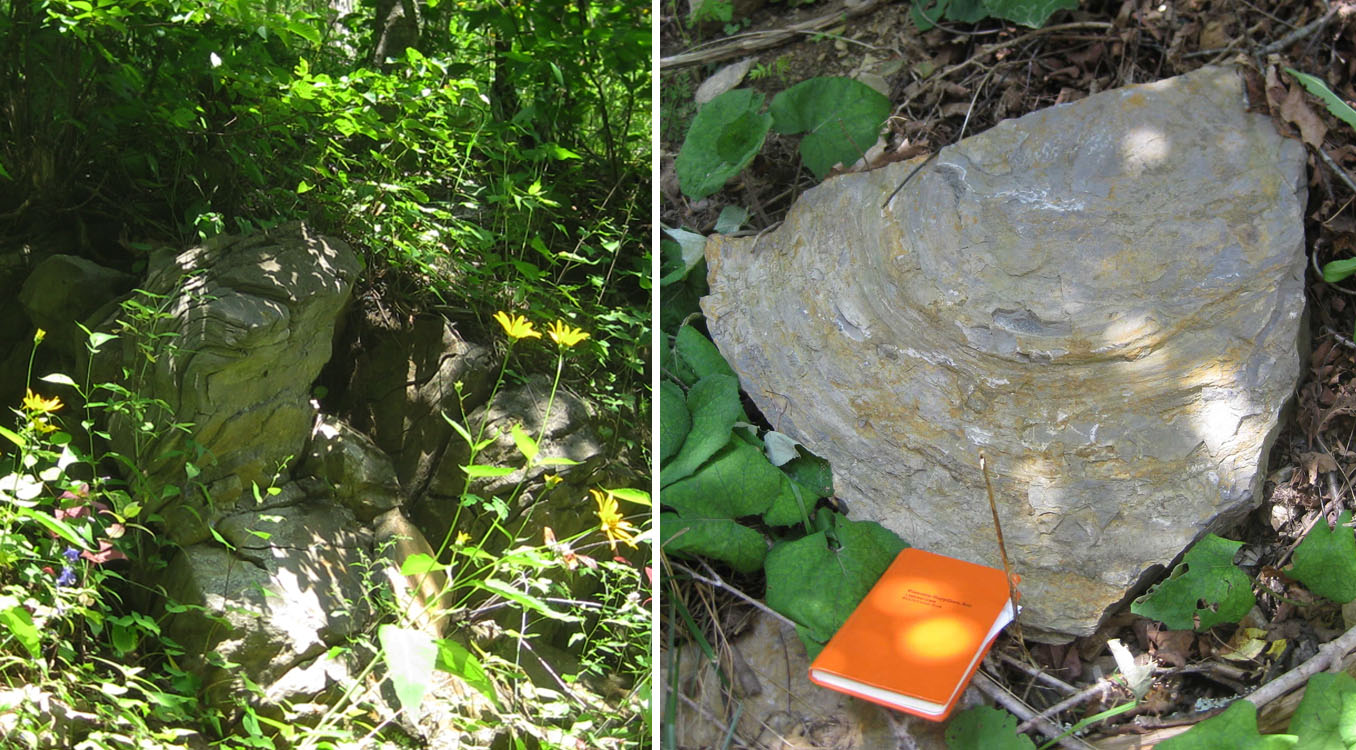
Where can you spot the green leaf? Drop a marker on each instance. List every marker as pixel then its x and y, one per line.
pixel 59 379
pixel 1338 270
pixel 738 481
pixel 475 471
pixel 731 219
pixel 674 420
pixel 56 526
pixel 793 504
pixel 812 472
pixel 721 539
pixel 410 656
pixel 526 445
pixel 454 658
pixel 304 187
pixel 986 728
pixel 528 601
pixel 1326 716
pixel 1208 573
pixel 20 624
pixel 13 437
pixel 1235 729
pixel 780 448
pixel 842 117
pixel 639 497
pixel 419 564
pixel 723 138
pixel 698 355
pixel 691 249
pixel 1325 562
pixel 714 405
pixel 817 581
pixel 1318 88
pixel 1030 13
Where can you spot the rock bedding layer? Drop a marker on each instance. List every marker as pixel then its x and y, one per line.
pixel 1104 298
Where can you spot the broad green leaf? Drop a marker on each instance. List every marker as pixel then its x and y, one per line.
pixel 19 622
pixel 475 471
pixel 731 219
pixel 418 564
pixel 526 445
pixel 738 481
pixel 1235 728
pixel 1318 88
pixel 1325 562
pixel 1338 270
pixel 460 430
pixel 812 472
pixel 454 658
pixel 56 526
pixel 1326 716
pixel 721 539
pixel 985 728
pixel 842 119
pixel 304 187
pixel 780 448
pixel 794 504
pixel 1030 13
pixel 698 355
pixel 724 137
pixel 714 405
pixel 691 250
pixel 674 420
pixel 1208 573
pixel 410 656
pixel 817 583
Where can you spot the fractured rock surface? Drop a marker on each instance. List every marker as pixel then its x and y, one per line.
pixel 1104 297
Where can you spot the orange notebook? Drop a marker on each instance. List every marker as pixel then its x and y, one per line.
pixel 915 640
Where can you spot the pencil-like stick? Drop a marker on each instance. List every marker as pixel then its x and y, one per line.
pixel 1003 552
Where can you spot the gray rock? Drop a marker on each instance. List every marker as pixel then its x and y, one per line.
pixel 248 323
pixel 290 589
pixel 64 289
pixel 403 380
pixel 359 475
pixel 1104 297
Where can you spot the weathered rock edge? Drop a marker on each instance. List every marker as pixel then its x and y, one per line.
pixel 1104 297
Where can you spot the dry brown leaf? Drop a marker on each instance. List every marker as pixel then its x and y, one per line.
pixel 1295 109
pixel 1316 463
pixel 1215 35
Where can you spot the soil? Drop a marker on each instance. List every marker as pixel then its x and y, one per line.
pixel 964 78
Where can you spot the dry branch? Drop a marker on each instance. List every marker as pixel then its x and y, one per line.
pixel 753 41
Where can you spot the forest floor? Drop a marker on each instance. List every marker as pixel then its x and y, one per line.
pixel 978 74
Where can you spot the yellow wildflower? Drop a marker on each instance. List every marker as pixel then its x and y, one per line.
pixel 39 336
pixel 462 538
pixel 611 522
pixel 516 326
pixel 37 404
pixel 551 480
pixel 564 335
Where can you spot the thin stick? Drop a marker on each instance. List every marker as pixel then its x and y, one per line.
pixel 758 40
pixel 1298 34
pixel 1013 593
pixel 1022 711
pixel 1088 693
pixel 1048 679
pixel 722 585
pixel 1328 654
pixel 1335 167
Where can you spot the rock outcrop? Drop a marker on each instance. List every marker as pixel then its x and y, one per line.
pixel 1104 298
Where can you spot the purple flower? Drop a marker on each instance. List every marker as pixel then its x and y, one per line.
pixel 67 577
pixel 72 554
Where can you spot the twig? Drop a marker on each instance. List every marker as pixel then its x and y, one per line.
pixel 754 41
pixel 722 585
pixel 1019 709
pixel 1048 679
pixel 1087 693
pixel 1330 653
pixel 706 714
pixel 1335 167
pixel 1298 34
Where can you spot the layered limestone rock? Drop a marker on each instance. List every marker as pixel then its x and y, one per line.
pixel 1103 297
pixel 244 325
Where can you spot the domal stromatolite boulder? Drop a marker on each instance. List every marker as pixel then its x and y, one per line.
pixel 1103 297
